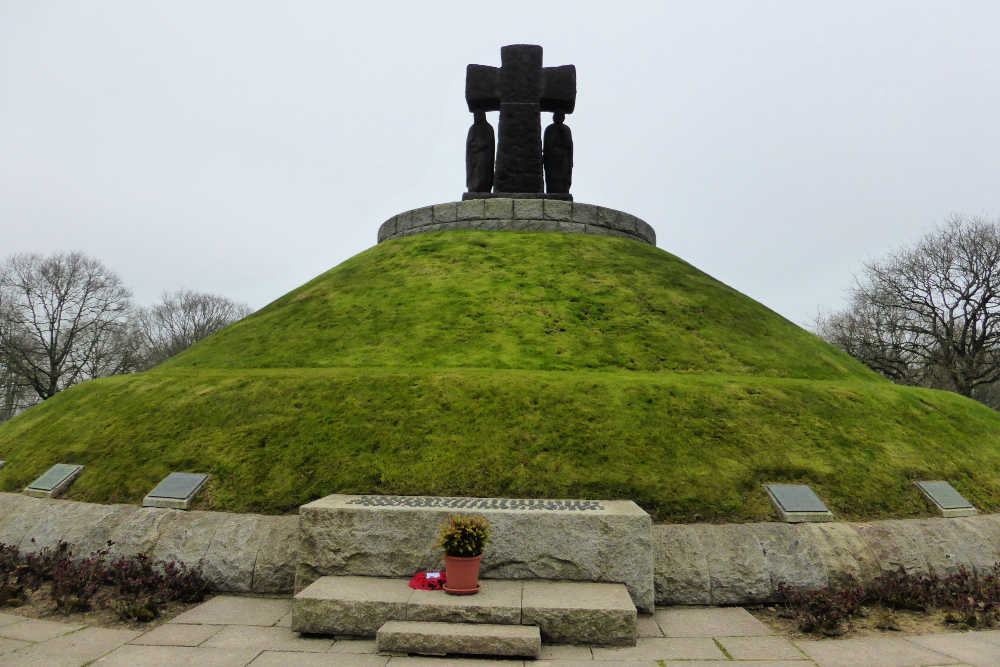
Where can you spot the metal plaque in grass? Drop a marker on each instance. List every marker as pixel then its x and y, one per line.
pixel 176 491
pixel 55 480
pixel 797 503
pixel 946 499
pixel 2 463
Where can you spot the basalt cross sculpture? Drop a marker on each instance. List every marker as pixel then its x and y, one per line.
pixel 520 89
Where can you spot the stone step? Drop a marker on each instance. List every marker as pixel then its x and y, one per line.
pixel 434 638
pixel 566 612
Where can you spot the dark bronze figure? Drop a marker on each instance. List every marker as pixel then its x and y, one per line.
pixel 557 155
pixel 479 155
pixel 521 88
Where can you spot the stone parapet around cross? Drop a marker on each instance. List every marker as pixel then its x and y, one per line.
pixel 518 215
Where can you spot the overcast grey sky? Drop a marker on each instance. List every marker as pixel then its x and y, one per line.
pixel 243 147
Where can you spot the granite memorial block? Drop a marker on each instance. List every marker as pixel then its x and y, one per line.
pixel 944 497
pixel 395 536
pixel 55 481
pixel 176 491
pixel 797 503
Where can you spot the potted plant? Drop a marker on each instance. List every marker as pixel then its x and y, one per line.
pixel 463 539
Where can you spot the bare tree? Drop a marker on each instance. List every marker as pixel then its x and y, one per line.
pixel 929 314
pixel 60 315
pixel 15 395
pixel 182 319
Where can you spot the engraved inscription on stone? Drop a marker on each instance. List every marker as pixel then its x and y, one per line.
pixel 179 485
pixel 531 504
pixel 55 476
pixel 944 495
pixel 796 498
pixel 177 490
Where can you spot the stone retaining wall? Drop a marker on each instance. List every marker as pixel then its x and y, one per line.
pixel 518 215
pixel 237 552
pixel 694 563
pixel 745 563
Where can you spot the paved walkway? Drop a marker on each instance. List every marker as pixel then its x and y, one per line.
pixel 230 630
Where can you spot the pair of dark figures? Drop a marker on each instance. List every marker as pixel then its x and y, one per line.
pixel 557 155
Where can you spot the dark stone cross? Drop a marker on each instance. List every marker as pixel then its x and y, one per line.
pixel 520 89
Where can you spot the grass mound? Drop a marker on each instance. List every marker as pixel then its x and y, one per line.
pixel 518 365
pixel 527 301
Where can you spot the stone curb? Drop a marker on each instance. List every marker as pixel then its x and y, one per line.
pixel 518 215
pixel 695 564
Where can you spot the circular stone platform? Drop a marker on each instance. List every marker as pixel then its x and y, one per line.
pixel 518 215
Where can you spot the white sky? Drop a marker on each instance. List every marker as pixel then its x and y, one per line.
pixel 242 148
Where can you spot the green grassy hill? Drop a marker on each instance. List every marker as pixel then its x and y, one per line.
pixel 503 364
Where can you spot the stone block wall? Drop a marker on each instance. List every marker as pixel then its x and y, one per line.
pixel 693 563
pixel 248 553
pixel 518 215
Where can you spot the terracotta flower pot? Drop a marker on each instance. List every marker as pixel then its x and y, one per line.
pixel 462 575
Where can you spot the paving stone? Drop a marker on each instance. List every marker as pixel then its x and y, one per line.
pixel 992 636
pixel 962 646
pixel 760 648
pixel 286 621
pixel 871 652
pixel 35 630
pixel 290 659
pixel 664 648
pixel 354 646
pixel 565 652
pixel 233 610
pixel 580 613
pixel 591 663
pixel 177 634
pixel 31 657
pixel 709 622
pixel 498 601
pixel 8 645
pixel 7 619
pixel 158 656
pixel 647 626
pixel 274 639
pixel 75 648
pixel 433 638
pixel 428 661
pixel 349 605
pixel 721 663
